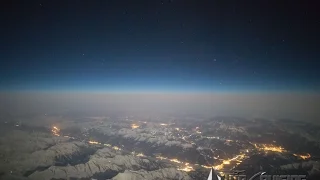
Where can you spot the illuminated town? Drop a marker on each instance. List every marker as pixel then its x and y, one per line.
pixel 304 157
pixel 55 131
pixel 134 126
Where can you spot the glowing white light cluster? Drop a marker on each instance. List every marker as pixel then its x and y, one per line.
pixel 55 131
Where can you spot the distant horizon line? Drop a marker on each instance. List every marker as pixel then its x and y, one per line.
pixel 233 91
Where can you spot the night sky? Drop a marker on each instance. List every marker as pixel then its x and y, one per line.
pixel 169 45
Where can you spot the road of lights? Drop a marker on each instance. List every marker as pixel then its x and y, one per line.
pixel 93 142
pixel 269 147
pixel 163 124
pixel 56 132
pixel 108 145
pixel 238 159
pixel 304 157
pixel 183 166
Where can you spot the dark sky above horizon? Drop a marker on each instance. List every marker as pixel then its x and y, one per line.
pixel 169 45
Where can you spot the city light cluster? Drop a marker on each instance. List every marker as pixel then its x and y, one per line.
pixel 186 168
pixel 237 159
pixel 55 131
pixel 175 160
pixel 140 155
pixel 134 126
